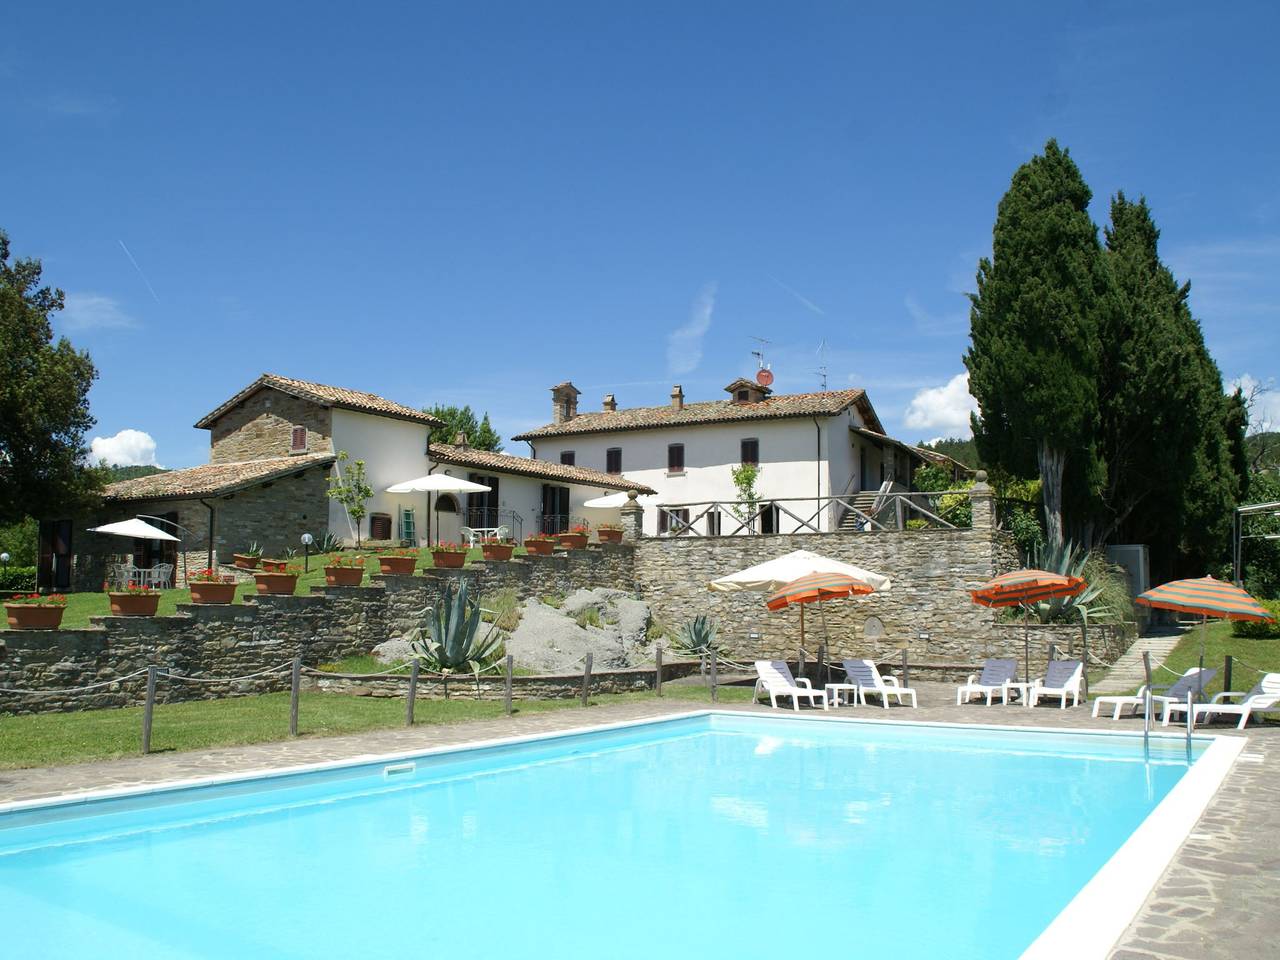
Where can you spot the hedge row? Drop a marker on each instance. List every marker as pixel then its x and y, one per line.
pixel 1257 630
pixel 18 578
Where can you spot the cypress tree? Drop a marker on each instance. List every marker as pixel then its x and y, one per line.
pixel 1034 325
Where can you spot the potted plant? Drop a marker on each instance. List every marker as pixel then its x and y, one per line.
pixel 609 533
pixel 209 586
pixel 282 582
pixel 35 611
pixel 343 571
pixel 492 548
pixel 576 538
pixel 540 544
pixel 398 561
pixel 135 600
pixel 249 559
pixel 274 566
pixel 452 555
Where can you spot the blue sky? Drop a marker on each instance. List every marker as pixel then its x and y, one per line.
pixel 470 202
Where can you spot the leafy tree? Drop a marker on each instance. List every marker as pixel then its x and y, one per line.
pixel 480 433
pixel 44 401
pixel 963 450
pixel 19 540
pixel 744 477
pixel 1034 323
pixel 116 472
pixel 352 490
pixel 1260 556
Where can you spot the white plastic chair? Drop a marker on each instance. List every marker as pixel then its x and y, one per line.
pixel 1193 679
pixel 1264 696
pixel 469 535
pixel 868 679
pixel 1062 679
pixel 995 679
pixel 775 678
pixel 502 533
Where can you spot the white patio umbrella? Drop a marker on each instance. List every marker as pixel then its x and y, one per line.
pixel 437 483
pixel 610 501
pixel 135 529
pixel 773 575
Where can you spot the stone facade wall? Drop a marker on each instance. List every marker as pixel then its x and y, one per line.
pixel 262 427
pixel 927 610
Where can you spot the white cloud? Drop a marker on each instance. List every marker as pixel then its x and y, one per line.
pixel 93 311
pixel 944 408
pixel 684 344
pixel 1264 401
pixel 128 448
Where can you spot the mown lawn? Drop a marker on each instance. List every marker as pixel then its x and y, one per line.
pixel 82 606
pixel 57 738
pixel 1251 658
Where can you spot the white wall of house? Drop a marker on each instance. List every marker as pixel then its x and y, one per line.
pixel 393 451
pixel 791 464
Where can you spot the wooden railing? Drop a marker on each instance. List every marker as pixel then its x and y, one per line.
pixel 892 511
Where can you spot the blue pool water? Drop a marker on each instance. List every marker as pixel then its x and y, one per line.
pixel 705 837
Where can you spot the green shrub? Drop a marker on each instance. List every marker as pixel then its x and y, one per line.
pixel 1255 630
pixel 18 578
pixel 503 609
pixel 588 617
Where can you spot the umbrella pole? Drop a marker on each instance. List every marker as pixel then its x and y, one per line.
pixel 428 518
pixel 1026 644
pixel 1204 631
pixel 801 606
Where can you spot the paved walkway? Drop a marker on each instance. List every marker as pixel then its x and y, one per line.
pixel 1219 898
pixel 1129 673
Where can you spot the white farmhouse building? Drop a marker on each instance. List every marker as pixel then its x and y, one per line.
pixel 819 454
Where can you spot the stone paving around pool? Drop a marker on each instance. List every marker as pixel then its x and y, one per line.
pixel 1219 898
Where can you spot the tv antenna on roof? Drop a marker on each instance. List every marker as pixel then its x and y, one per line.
pixel 759 354
pixel 822 363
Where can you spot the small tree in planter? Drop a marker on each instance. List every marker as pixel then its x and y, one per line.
pixel 343 571
pixel 209 586
pixel 135 600
pixel 35 611
pixel 452 555
pixel 455 643
pixel 351 490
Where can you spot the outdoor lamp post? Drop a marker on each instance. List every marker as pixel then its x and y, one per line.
pixel 307 541
pixel 4 559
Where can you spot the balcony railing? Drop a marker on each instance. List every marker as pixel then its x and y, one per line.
pixel 947 509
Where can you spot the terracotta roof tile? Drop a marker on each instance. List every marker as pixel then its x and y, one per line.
pixel 212 479
pixel 826 403
pixel 528 467
pixel 326 395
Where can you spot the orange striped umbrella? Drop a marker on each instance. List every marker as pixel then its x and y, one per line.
pixel 1023 588
pixel 1207 597
pixel 1026 587
pixel 815 587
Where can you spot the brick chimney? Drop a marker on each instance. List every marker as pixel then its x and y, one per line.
pixel 460 439
pixel 564 402
pixel 677 397
pixel 610 403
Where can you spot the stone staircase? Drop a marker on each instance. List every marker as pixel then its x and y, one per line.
pixel 1127 673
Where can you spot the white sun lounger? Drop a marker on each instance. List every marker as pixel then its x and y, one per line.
pixel 774 677
pixel 1263 697
pixel 1177 693
pixel 995 679
pixel 1062 679
pixel 869 681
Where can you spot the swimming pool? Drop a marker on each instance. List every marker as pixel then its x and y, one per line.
pixel 708 835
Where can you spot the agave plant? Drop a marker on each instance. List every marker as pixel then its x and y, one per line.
pixel 455 644
pixel 698 636
pixel 1106 595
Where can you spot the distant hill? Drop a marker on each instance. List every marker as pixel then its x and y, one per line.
pixel 966 451
pixel 115 472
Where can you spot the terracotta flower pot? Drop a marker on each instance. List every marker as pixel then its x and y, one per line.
pixel 245 562
pixel 209 591
pixel 31 616
pixel 540 548
pixel 275 566
pixel 400 565
pixel 497 551
pixel 277 583
pixel 448 558
pixel 573 541
pixel 609 536
pixel 343 576
pixel 134 604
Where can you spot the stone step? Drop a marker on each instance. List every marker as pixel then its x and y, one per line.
pixel 1128 671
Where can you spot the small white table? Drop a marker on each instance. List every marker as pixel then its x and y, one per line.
pixel 1024 690
pixel 833 691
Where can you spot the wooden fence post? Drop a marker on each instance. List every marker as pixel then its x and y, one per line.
pixel 506 684
pixel 586 680
pixel 657 663
pixel 715 692
pixel 413 693
pixel 295 687
pixel 1226 673
pixel 148 708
